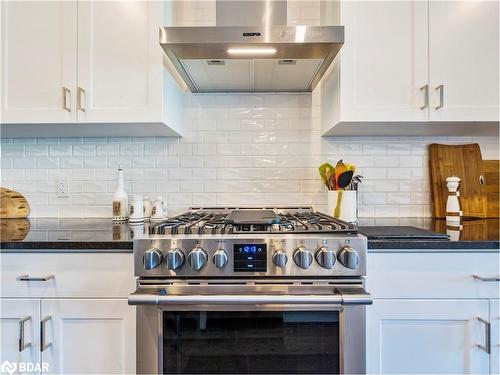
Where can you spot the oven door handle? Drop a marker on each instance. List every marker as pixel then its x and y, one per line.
pixel 344 297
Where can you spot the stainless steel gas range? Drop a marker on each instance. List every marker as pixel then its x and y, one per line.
pixel 251 290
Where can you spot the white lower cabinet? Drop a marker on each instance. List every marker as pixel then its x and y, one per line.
pixel 427 337
pixel 19 331
pixel 495 336
pixel 433 313
pixel 88 336
pixel 79 323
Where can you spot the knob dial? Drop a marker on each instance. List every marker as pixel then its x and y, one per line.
pixel 348 257
pixel 325 257
pixel 174 259
pixel 197 258
pixel 152 258
pixel 302 257
pixel 280 258
pixel 220 258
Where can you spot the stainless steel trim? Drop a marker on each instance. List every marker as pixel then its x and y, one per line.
pixel 80 97
pixel 251 295
pixel 487 336
pixel 40 278
pixel 235 300
pixel 487 279
pixel 65 92
pixel 23 345
pixel 43 344
pixel 425 89
pixel 440 88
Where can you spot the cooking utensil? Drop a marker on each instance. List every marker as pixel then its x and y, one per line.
pixel 342 182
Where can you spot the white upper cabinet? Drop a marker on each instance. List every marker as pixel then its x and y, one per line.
pixel 413 68
pixel 38 61
pixel 119 61
pixel 95 66
pixel 383 61
pixel 463 60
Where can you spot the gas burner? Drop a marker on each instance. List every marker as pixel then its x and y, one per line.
pixel 251 220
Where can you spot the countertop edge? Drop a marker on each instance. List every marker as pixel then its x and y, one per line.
pixel 68 246
pixel 127 246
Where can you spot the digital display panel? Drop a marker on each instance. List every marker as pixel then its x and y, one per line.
pixel 250 257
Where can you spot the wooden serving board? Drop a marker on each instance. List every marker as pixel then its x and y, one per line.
pixel 491 172
pixel 465 162
pixel 13 205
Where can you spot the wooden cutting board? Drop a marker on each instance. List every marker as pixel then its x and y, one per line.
pixel 465 162
pixel 13 205
pixel 491 172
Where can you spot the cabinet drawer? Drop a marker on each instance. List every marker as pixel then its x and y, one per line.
pixel 432 275
pixel 75 275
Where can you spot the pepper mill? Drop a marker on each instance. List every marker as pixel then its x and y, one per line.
pixel 453 212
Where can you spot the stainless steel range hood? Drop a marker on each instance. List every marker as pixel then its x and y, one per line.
pixel 262 58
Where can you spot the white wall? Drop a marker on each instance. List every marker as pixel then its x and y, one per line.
pixel 254 149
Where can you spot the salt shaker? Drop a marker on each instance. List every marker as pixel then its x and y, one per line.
pixel 453 212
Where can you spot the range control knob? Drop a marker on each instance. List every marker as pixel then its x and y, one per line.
pixel 174 259
pixel 197 258
pixel 325 257
pixel 280 258
pixel 348 257
pixel 220 258
pixel 302 257
pixel 152 258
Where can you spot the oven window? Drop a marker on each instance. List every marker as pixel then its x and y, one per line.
pixel 239 342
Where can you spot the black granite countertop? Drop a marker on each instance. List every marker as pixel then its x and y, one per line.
pixel 102 235
pixel 477 234
pixel 88 235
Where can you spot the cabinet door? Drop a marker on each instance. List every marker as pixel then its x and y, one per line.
pixel 383 61
pixel 463 57
pixel 38 61
pixel 119 61
pixel 89 336
pixel 426 337
pixel 495 336
pixel 17 315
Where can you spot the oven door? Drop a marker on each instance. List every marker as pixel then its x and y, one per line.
pixel 250 329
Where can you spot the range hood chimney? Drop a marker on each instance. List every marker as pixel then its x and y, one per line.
pixel 251 50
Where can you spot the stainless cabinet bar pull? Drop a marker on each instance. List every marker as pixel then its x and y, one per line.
pixel 41 278
pixel 23 345
pixel 487 336
pixel 81 99
pixel 487 279
pixel 65 93
pixel 440 88
pixel 425 89
pixel 43 344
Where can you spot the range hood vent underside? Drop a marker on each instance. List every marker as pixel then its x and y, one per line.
pixel 251 75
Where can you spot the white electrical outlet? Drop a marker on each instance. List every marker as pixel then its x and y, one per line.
pixel 63 188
